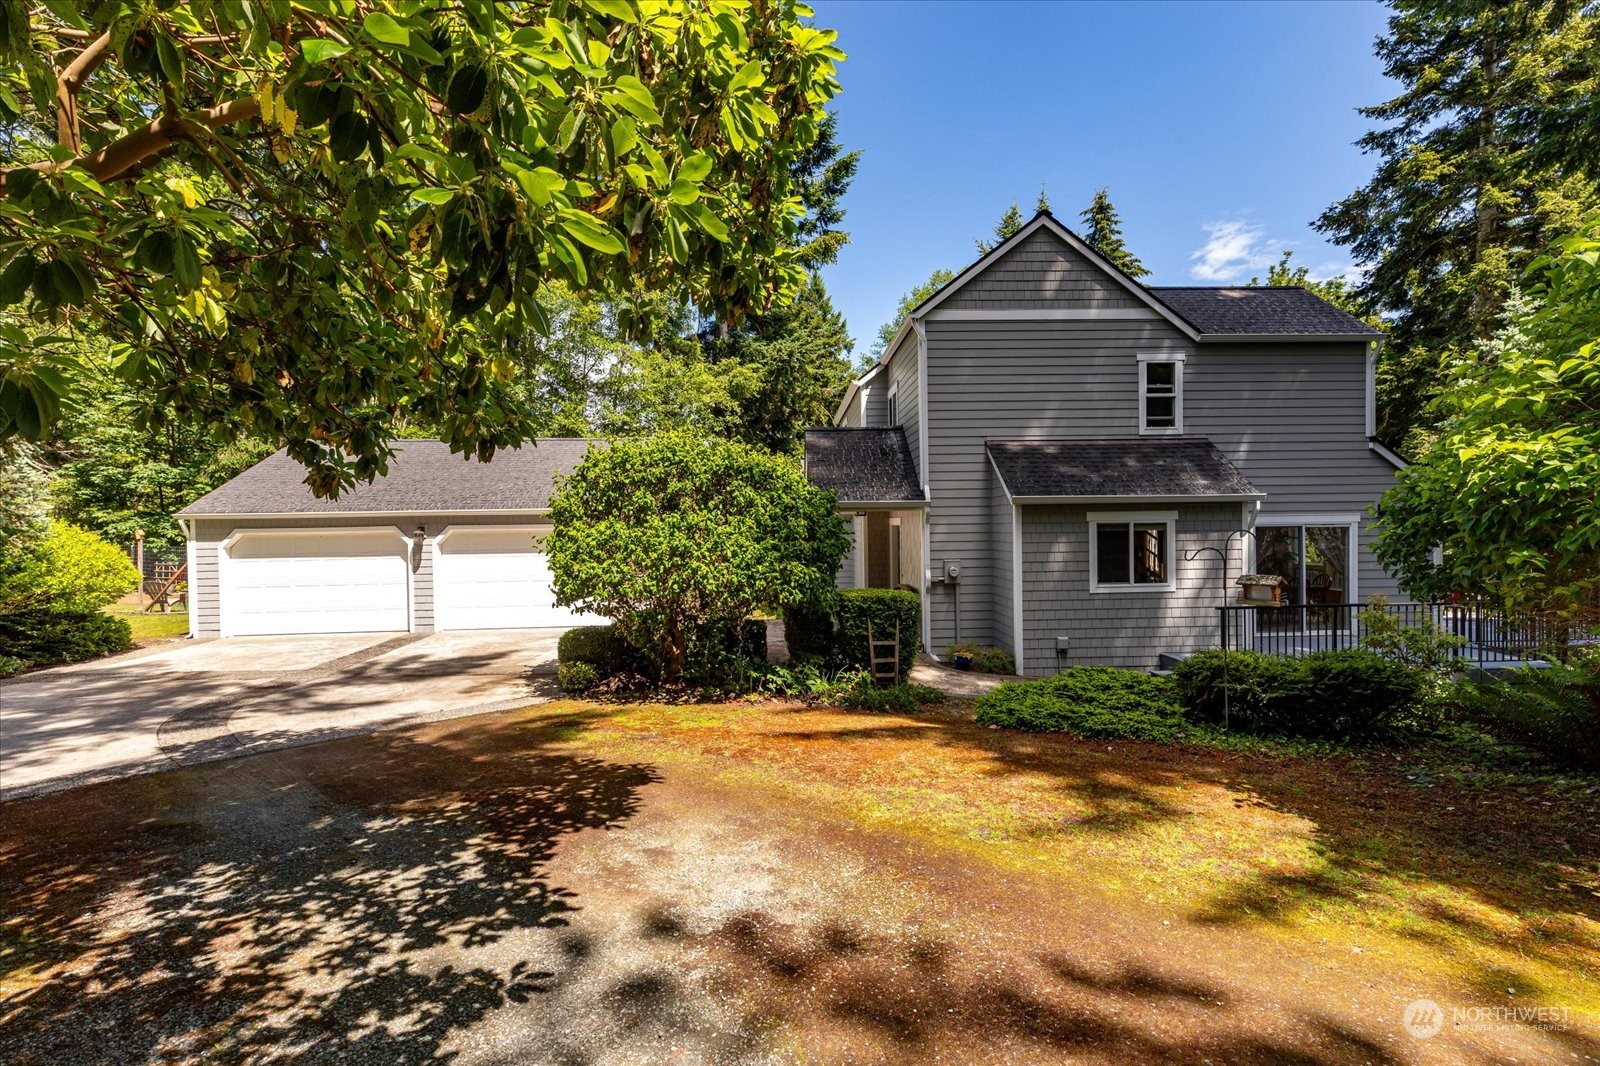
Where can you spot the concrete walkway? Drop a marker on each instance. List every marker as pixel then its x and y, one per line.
pixel 196 701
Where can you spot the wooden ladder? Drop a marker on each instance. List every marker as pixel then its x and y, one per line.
pixel 879 661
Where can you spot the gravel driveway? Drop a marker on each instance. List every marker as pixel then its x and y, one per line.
pixel 193 701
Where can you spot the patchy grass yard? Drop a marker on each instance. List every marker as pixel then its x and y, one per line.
pixel 736 883
pixel 153 625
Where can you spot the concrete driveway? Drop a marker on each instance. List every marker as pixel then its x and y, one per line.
pixel 197 701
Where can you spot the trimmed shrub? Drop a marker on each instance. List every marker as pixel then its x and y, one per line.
pixel 808 631
pixel 753 639
pixel 1258 686
pixel 602 647
pixel 577 676
pixel 902 699
pixel 69 569
pixel 1088 701
pixel 1351 694
pixel 986 659
pixel 1554 711
pixel 11 667
pixel 882 608
pixel 44 637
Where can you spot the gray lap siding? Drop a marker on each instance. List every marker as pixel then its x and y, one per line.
pixel 1128 629
pixel 1291 415
pixel 210 533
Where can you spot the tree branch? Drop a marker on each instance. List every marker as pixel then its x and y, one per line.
pixel 122 155
pixel 69 81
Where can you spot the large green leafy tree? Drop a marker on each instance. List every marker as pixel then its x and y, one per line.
pixel 120 466
pixel 1510 490
pixel 1478 169
pixel 315 222
pixel 680 534
pixel 1102 231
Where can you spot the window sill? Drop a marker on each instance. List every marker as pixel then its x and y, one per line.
pixel 1171 432
pixel 1099 589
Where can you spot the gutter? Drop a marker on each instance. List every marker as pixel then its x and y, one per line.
pixel 388 513
pixel 1238 497
pixel 1376 445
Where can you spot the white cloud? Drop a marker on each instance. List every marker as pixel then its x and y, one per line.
pixel 1232 250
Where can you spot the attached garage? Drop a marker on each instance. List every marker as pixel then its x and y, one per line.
pixel 496 578
pixel 440 542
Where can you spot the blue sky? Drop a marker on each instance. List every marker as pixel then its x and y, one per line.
pixel 1222 131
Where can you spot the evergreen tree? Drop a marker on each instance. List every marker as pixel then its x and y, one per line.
pixel 936 281
pixel 823 174
pixel 1478 170
pixel 1102 231
pixel 1042 205
pixel 1009 223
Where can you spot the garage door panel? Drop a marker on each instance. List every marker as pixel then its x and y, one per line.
pixel 496 579
pixel 315 583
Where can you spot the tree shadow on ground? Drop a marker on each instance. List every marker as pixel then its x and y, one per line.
pixel 1367 826
pixel 918 998
pixel 304 904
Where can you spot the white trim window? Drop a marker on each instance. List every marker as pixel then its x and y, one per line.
pixel 1132 551
pixel 1161 393
pixel 1316 555
pixel 891 407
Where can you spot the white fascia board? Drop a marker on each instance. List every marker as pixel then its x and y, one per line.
pixel 1285 338
pixel 1043 221
pixel 396 513
pixel 1049 314
pixel 1230 498
pixel 1012 500
pixel 881 505
pixel 855 386
pixel 1399 463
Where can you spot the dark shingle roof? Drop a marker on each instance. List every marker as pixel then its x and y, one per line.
pixel 1260 310
pixel 1134 466
pixel 424 475
pixel 863 465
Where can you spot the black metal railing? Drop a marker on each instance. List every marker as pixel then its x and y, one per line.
pixel 1487 635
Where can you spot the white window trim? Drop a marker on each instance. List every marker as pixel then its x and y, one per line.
pixel 890 403
pixel 1177 359
pixel 1353 551
pixel 1098 518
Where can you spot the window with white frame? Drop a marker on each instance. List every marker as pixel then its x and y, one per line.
pixel 1315 556
pixel 1161 392
pixel 1132 551
pixel 891 410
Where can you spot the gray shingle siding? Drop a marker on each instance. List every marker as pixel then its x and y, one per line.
pixel 1128 629
pixel 1041 272
pixel 210 533
pixel 1003 515
pixel 903 375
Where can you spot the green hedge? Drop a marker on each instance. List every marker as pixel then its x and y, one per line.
pixel 1088 701
pixel 882 608
pixel 1352 694
pixel 601 647
pixel 808 631
pixel 45 637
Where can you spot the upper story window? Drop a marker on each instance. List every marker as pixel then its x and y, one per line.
pixel 1131 552
pixel 1161 392
pixel 891 410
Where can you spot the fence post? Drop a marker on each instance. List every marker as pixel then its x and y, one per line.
pixel 138 562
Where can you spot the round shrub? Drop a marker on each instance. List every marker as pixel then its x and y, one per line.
pixel 601 647
pixel 577 676
pixel 69 569
pixel 1087 701
pixel 45 637
pixel 1351 694
pixel 1261 688
pixel 677 532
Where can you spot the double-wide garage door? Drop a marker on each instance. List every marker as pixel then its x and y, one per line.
pixel 327 581
pixel 360 581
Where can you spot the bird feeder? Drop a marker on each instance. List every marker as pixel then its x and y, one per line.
pixel 1261 590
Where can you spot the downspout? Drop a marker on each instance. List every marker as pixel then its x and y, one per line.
pixel 189 553
pixel 927 490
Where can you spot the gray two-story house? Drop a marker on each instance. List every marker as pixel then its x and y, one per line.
pixel 1077 468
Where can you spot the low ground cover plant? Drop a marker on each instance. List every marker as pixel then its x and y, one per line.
pixel 1088 701
pixel 983 658
pixel 1552 710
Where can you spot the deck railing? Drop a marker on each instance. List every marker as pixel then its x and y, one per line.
pixel 1488 635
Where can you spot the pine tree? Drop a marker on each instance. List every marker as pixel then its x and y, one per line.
pixel 823 173
pixel 1009 223
pixel 1102 231
pixel 1042 205
pixel 1480 166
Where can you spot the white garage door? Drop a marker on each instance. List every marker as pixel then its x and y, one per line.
pixel 496 579
pixel 315 582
